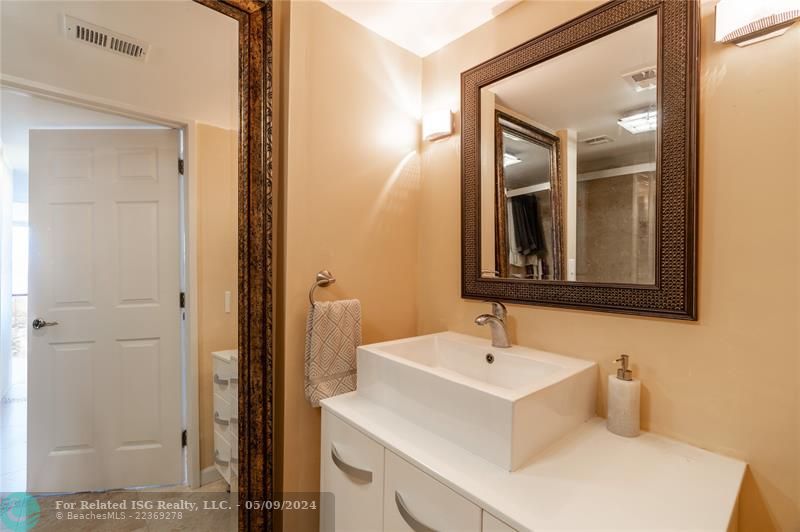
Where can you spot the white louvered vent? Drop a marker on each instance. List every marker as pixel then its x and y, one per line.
pixel 601 139
pixel 106 39
pixel 643 79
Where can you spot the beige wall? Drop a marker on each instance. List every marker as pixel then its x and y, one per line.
pixel 349 200
pixel 217 263
pixel 729 382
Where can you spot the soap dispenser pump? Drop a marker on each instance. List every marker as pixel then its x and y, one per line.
pixel 623 373
pixel 624 393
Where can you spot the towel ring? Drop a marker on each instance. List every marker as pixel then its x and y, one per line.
pixel 324 278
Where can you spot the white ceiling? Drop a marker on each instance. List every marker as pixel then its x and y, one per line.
pixel 421 26
pixel 584 90
pixel 21 112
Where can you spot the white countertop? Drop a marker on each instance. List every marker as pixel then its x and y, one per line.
pixel 589 480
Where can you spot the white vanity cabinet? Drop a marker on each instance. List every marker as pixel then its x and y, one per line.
pixel 225 385
pixel 422 482
pixel 374 489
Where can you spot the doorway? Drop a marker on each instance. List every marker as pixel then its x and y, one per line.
pixel 92 384
pixel 14 348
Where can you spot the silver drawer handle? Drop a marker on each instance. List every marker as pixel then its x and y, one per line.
pixel 221 382
pixel 218 461
pixel 219 421
pixel 353 471
pixel 410 520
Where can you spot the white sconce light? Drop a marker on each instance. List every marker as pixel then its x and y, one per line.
pixel 437 124
pixel 745 22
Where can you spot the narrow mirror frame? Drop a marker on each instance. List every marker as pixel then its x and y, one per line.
pixel 256 348
pixel 552 144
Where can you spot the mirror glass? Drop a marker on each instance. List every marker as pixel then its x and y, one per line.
pixel 119 165
pixel 568 164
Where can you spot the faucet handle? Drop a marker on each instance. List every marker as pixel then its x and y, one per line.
pixel 499 310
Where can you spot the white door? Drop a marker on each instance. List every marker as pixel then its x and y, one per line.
pixel 104 383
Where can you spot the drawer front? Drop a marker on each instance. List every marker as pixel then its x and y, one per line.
pixel 493 524
pixel 222 416
pixel 233 397
pixel 351 469
pixel 222 456
pixel 222 377
pixel 233 432
pixel 414 501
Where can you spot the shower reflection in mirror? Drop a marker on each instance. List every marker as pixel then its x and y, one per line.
pixel 568 170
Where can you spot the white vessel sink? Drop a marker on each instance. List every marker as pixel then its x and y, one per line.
pixel 504 411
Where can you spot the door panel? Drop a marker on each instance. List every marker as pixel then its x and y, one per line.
pixel 141 396
pixel 72 271
pixel 104 384
pixel 137 242
pixel 72 398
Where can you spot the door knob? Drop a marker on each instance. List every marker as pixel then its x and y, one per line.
pixel 38 324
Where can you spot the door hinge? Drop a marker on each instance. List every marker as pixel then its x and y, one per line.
pixel 180 166
pixel 184 438
pixel 183 299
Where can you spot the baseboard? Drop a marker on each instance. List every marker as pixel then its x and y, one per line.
pixel 209 475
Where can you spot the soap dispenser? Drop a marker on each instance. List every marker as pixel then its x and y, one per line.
pixel 624 393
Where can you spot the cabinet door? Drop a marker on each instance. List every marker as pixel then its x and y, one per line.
pixel 352 469
pixel 412 500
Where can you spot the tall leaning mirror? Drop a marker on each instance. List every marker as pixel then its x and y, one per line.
pixel 136 182
pixel 579 165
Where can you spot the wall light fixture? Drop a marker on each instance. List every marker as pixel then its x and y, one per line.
pixel 745 22
pixel 437 124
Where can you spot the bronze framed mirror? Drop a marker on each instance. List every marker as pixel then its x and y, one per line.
pixel 255 206
pixel 579 165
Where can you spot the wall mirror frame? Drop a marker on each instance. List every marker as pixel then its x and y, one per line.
pixel 256 347
pixel 673 295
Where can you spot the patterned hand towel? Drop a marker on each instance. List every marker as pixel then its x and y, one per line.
pixel 333 332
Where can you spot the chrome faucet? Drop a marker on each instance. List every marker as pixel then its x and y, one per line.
pixel 497 323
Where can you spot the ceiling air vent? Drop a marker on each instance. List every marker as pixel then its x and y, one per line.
pixel 642 80
pixel 106 39
pixel 600 139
